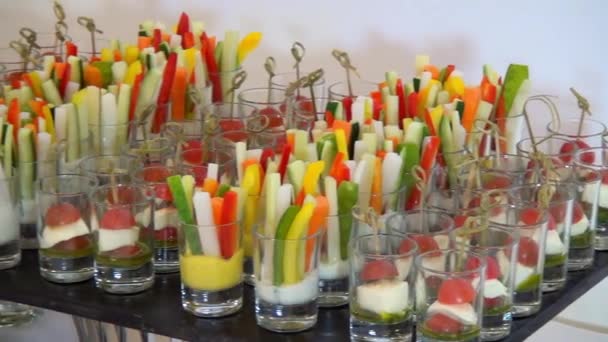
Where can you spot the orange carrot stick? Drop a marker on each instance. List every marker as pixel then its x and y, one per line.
pixel 178 95
pixel 317 222
pixel 216 206
pixel 376 200
pixel 210 185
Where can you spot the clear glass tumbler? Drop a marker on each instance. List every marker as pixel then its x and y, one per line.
pixel 65 229
pixel 10 252
pixel 382 287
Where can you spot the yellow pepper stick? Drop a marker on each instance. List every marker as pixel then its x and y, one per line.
pixel 341 142
pixel 311 177
pixel 131 54
pixel 189 60
pixel 248 44
pixel 133 70
pixel 251 185
pixel 107 55
pixel 406 124
pixel 293 257
pixel 48 119
pixel 36 84
pixel 454 85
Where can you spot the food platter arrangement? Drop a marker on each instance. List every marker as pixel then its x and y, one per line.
pixel 425 203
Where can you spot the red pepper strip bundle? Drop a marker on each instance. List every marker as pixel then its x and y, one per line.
pixel 400 92
pixel 165 92
pixel 430 149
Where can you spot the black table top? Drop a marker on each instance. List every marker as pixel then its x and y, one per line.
pixel 159 310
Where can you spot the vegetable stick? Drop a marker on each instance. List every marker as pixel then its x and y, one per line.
pixel 228 235
pixel 317 222
pixel 210 185
pixel 216 207
pixel 204 217
pixel 376 198
pixel 178 95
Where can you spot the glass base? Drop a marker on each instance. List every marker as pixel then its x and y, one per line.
pixel 10 255
pixel 554 278
pixel 285 318
pixel 361 330
pixel 521 310
pixel 122 280
pixel 63 270
pixel 333 292
pixel 14 314
pixel 221 303
pixel 29 236
pixel 496 327
pixel 166 260
pixel 580 258
pixel 601 242
pixel 248 275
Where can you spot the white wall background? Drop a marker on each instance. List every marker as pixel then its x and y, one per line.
pixel 564 42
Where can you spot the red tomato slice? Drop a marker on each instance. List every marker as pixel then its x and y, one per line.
pixel 125 251
pixel 492 268
pixel 74 244
pixel 530 216
pixel 497 182
pixel 456 291
pixel 117 218
pixel 163 192
pixel 61 213
pixel 378 269
pixel 527 254
pixel 406 246
pixel 459 221
pixel 577 212
pixel 166 234
pixel 443 324
pixel 275 117
pixel 235 136
pixel 227 125
pixel 426 244
pixel 605 177
pixel 490 303
pixel 193 156
pixel 156 174
pixel 558 212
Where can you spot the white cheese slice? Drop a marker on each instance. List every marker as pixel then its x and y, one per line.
pixel 554 244
pixel 522 273
pixel 111 239
pixel 603 202
pixel 384 296
pixel 52 235
pixel 404 265
pixel 579 227
pixel 165 217
pixel 590 192
pixel 334 270
pixel 464 313
pixel 492 288
pixel 504 263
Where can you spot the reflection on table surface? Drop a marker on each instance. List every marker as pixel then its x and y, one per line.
pixel 51 326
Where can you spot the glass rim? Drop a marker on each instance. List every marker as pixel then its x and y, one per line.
pixel 129 158
pixel 320 81
pixel 404 214
pixel 594 123
pixel 262 236
pixel 509 206
pixel 595 165
pixel 231 105
pixel 138 176
pixel 227 154
pixel 146 198
pixel 420 266
pixel 211 226
pixel 272 90
pixel 543 139
pixel 331 90
pixel 560 184
pixel 402 237
pixel 510 232
pixel 94 184
pixel 239 68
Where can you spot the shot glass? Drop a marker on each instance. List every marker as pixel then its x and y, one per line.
pixel 222 85
pixel 166 219
pixel 157 151
pixel 108 139
pixel 588 177
pixel 347 93
pixel 557 149
pixel 380 205
pixel 334 263
pixel 589 133
pixel 226 117
pixel 15 314
pixel 10 252
pixel 211 264
pixel 530 222
pixel 560 203
pixel 450 296
pixel 306 112
pixel 382 287
pixel 596 160
pixel 270 102
pixel 499 247
pixel 124 239
pixel 286 281
pixel 29 172
pixel 431 229
pixel 104 168
pixel 65 229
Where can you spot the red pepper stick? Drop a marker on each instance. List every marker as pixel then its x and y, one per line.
pixel 284 160
pixel 65 79
pixel 412 105
pixel 228 235
pixel 402 105
pixel 430 149
pixel 267 153
pixel 157 38
pixel 165 92
pixel 208 50
pixel 70 49
pixel 135 94
pixel 183 25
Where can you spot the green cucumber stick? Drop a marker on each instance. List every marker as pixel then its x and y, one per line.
pixel 348 193
pixel 93 108
pixel 27 159
pixel 279 247
pixel 184 210
pixel 73 134
pixel 228 61
pixel 333 225
pixel 109 120
pixel 7 149
pixel 124 100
